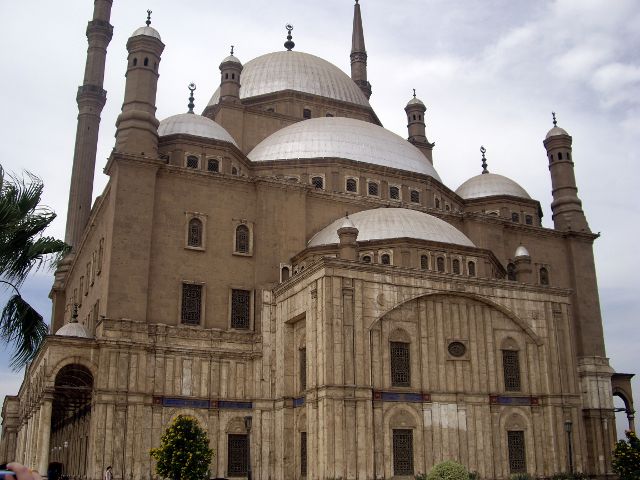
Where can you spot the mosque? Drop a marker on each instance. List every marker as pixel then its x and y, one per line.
pixel 299 279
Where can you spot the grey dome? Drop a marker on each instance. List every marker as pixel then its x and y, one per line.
pixel 192 124
pixel 390 223
pixel 415 101
pixel 148 31
pixel 231 58
pixel 488 185
pixel 73 329
pixel 521 251
pixel 341 137
pixel 302 72
pixel 555 131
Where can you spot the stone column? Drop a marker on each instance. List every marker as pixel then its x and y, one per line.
pixel 44 434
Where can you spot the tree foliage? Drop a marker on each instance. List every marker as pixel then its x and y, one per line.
pixel 23 247
pixel 184 452
pixel 448 470
pixel 626 457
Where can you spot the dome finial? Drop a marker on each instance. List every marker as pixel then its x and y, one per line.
pixel 148 22
pixel 555 122
pixel 192 88
pixel 289 43
pixel 231 49
pixel 484 160
pixel 414 93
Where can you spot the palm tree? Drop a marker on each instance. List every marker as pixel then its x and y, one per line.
pixel 23 248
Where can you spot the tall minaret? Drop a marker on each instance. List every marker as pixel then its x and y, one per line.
pixel 91 99
pixel 359 54
pixel 415 110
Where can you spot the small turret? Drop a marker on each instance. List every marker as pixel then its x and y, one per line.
pixel 230 70
pixel 415 110
pixel 522 261
pixel 359 53
pixel 137 125
pixel 566 206
pixel 348 234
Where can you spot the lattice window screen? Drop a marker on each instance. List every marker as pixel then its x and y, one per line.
pixel 303 454
pixel 517 453
pixel 237 455
pixel 303 369
pixel 403 452
pixel 242 239
pixel 400 364
pixel 511 367
pixel 195 233
pixel 240 308
pixel 191 304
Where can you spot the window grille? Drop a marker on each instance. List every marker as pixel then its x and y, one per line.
pixel 303 454
pixel 471 267
pixel 511 368
pixel 352 185
pixel 191 304
pixel 440 264
pixel 242 239
pixel 424 262
pixel 511 272
pixel 240 306
pixel 415 196
pixel 213 165
pixel 515 217
pixel 457 349
pixel 456 266
pixel 192 161
pixel 195 233
pixel 403 452
pixel 400 364
pixel 317 182
pixel 237 455
pixel 303 369
pixel 517 452
pixel 528 220
pixel 394 193
pixel 385 259
pixel 372 188
pixel 544 276
pixel 366 259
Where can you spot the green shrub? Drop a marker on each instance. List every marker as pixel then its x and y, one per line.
pixel 421 476
pixel 626 457
pixel 448 470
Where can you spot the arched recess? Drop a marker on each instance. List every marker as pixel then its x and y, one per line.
pixel 621 388
pixel 70 419
pixel 516 420
pixel 403 419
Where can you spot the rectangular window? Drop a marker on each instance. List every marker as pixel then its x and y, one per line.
pixel 240 309
pixel 191 304
pixel 303 454
pixel 511 367
pixel 303 369
pixel 403 452
pixel 415 196
pixel 517 454
pixel 237 455
pixel 400 364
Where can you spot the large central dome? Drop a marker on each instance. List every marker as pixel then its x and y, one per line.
pixel 302 72
pixel 340 137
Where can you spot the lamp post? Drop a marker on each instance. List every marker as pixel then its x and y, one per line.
pixel 247 425
pixel 568 425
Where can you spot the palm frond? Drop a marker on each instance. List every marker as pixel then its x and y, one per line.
pixel 22 326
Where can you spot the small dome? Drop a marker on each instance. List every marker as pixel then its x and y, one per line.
pixel 148 31
pixel 489 185
pixel 415 101
pixel 302 72
pixel 556 131
pixel 391 223
pixel 341 137
pixel 231 58
pixel 521 251
pixel 192 124
pixel 346 223
pixel 73 329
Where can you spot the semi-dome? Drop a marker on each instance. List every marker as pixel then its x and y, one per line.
pixel 148 31
pixel 192 124
pixel 488 185
pixel 390 223
pixel 340 137
pixel 302 72
pixel 73 329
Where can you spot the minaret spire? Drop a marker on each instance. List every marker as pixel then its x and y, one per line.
pixel 359 53
pixel 91 99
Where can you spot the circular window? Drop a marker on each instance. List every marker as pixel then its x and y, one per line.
pixel 457 349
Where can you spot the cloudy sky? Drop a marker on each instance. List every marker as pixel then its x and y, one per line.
pixel 489 72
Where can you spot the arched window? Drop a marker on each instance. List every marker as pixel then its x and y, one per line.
pixel 544 276
pixel 385 259
pixel 568 156
pixel 511 272
pixel 559 155
pixel 352 185
pixel 471 268
pixel 424 262
pixel 528 219
pixel 146 62
pixel 213 165
pixel 415 196
pixel 447 207
pixel 192 161
pixel 284 274
pixel 515 217
pixel 456 266
pixel 440 264
pixel 372 188
pixel 511 370
pixel 194 237
pixel 306 113
pixel 366 259
pixel 317 182
pixel 234 171
pixel 226 76
pixel 242 239
pixel 437 203
pixel 135 62
pixel 394 193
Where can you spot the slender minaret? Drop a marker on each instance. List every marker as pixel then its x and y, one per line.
pixel 137 125
pixel 230 70
pixel 415 111
pixel 91 99
pixel 359 54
